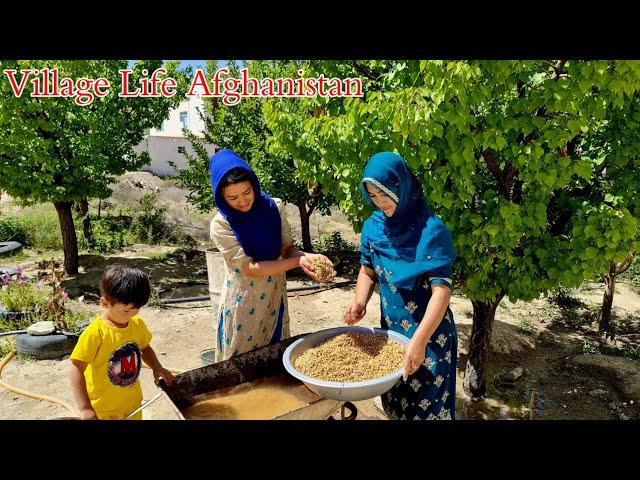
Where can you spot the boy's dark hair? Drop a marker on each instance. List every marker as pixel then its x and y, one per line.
pixel 129 286
pixel 235 175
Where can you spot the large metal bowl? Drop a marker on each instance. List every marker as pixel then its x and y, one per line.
pixel 344 391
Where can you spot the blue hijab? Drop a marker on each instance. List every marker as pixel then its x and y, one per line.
pixel 413 240
pixel 258 230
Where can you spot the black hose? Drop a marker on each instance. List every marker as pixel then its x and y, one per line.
pixel 14 332
pixel 318 287
pixel 168 301
pixel 204 298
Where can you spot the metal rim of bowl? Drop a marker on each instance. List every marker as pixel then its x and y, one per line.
pixel 288 365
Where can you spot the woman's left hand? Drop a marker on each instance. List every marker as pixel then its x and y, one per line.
pixel 413 358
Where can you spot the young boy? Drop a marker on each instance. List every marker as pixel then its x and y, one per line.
pixel 106 362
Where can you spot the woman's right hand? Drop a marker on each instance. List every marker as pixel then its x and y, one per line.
pixel 307 266
pixel 354 313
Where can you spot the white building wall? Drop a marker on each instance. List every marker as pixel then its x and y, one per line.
pixel 172 127
pixel 162 144
pixel 163 149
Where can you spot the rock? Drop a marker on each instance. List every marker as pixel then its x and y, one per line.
pixel 624 372
pixel 612 406
pixel 622 416
pixel 41 328
pixel 598 392
pixel 509 378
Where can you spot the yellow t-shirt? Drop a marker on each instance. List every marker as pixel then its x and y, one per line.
pixel 114 361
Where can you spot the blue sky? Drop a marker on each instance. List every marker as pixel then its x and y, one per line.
pixel 194 64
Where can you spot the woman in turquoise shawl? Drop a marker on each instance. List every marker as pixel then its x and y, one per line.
pixel 409 251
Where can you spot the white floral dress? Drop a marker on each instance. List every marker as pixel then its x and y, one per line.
pixel 253 310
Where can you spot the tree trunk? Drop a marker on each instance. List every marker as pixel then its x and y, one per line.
pixel 474 376
pixel 607 301
pixel 69 239
pixel 304 224
pixel 86 223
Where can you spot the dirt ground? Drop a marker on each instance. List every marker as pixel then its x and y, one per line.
pixel 538 336
pixel 182 331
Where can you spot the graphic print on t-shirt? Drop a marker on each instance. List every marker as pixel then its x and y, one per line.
pixel 125 364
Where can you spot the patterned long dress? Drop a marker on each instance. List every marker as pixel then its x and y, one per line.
pixel 430 392
pixel 253 311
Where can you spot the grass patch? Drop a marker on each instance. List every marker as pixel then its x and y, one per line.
pixel 526 326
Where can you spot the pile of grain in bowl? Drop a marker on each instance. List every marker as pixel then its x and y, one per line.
pixel 323 269
pixel 351 357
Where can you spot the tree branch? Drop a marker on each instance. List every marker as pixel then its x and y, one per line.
pixel 624 266
pixel 364 70
pixel 558 69
pixel 491 163
pixel 315 195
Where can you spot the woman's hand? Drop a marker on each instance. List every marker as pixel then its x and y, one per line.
pixel 307 267
pixel 413 358
pixel 354 313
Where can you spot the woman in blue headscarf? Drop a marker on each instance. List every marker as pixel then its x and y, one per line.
pixel 409 251
pixel 252 232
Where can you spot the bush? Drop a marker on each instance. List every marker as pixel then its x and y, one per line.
pixel 563 297
pixel 23 299
pixel 109 233
pixel 632 275
pixel 42 227
pixel 12 230
pixel 344 254
pixel 18 295
pixel 76 321
pixel 148 225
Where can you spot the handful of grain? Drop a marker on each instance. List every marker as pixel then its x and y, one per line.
pixel 351 357
pixel 323 270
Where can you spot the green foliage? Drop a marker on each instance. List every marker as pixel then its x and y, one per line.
pixel 526 326
pixel 6 345
pixel 12 230
pixel 343 254
pixel 36 227
pixel 242 128
pixel 632 275
pixel 19 295
pixel 109 233
pixel 563 297
pixel 148 225
pixel 52 150
pixel 508 153
pixel 76 321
